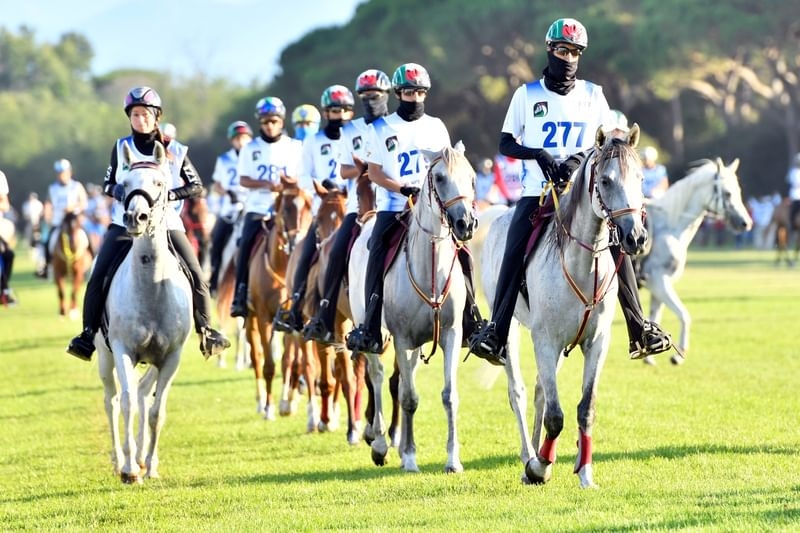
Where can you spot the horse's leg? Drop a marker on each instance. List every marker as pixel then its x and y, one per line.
pixel 348 379
pixel 59 277
pixel 407 360
pixel 257 361
pixel 105 365
pixel 394 392
pixel 271 345
pixel 369 412
pixel 129 384
pixel 450 399
pixel 379 447
pixel 289 360
pixel 540 468
pixel 518 394
pixel 158 411
pixel 665 291
pixel 326 384
pixel 310 371
pixel 359 372
pixel 146 385
pixel 77 281
pixel 594 359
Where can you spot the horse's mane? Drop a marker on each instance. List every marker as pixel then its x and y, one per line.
pixel 680 192
pixel 612 149
pixel 450 156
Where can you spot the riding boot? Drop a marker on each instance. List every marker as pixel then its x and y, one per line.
pixel 645 338
pixel 320 327
pixel 290 320
pixel 239 304
pixel 367 337
pixel 489 341
pixel 82 346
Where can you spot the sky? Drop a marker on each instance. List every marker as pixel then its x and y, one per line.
pixel 238 40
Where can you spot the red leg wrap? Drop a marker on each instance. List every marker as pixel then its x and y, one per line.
pixel 548 450
pixel 584 450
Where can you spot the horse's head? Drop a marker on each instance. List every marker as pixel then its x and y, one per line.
pixel 146 185
pixel 366 195
pixel 726 200
pixel 616 187
pixel 449 190
pixel 331 210
pixel 292 213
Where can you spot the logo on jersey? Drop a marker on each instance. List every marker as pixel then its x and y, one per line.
pixel 540 109
pixel 357 142
pixel 391 143
pixel 256 155
pixel 325 149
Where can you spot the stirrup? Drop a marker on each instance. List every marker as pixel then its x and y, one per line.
pixel 485 344
pixel 361 340
pixel 316 330
pixel 286 321
pixel 654 340
pixel 81 347
pixel 213 342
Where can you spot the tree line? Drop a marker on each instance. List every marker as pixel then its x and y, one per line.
pixel 701 79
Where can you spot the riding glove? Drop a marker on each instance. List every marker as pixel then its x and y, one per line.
pixel 408 190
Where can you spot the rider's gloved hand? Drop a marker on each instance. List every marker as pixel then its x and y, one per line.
pixel 569 165
pixel 409 190
pixel 547 164
pixel 119 192
pixel 329 184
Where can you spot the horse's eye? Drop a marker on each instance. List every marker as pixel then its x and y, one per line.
pixel 440 177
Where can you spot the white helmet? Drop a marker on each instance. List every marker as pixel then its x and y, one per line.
pixel 615 120
pixel 649 154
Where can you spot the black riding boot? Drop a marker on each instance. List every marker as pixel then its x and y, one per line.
pixel 292 319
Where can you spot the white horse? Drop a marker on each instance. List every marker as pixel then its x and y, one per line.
pixel 572 296
pixel 710 188
pixel 424 298
pixel 149 316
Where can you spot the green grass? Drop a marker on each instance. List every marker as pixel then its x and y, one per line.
pixel 709 446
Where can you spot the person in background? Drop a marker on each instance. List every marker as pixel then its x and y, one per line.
pixel 142 105
pixel 305 121
pixel 793 179
pixel 484 184
pixel 168 131
pixel 263 163
pixel 65 195
pixel 6 251
pixel 232 194
pixel 508 173
pixel 98 216
pixel 655 181
pixel 558 100
pixel 322 155
pixel 372 89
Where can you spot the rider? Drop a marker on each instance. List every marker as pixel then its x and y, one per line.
pixel 372 88
pixel 65 195
pixel 305 121
pixel 263 163
pixel 655 181
pixel 226 185
pixel 322 153
pixel 557 103
pixel 142 105
pixel 6 252
pixel 396 138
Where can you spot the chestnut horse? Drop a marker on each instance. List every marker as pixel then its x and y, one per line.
pixel 71 258
pixel 267 288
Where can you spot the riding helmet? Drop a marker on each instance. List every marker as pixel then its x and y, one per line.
pixel 411 76
pixel 567 31
pixel 144 96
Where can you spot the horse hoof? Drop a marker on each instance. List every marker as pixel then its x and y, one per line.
pixel 269 413
pixel 285 409
pixel 677 360
pixel 537 473
pixel 130 479
pixel 74 314
pixel 352 438
pixel 649 360
pixel 454 469
pixel 378 458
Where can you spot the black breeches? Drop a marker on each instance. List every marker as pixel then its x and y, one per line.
pixel 628 294
pixel 385 221
pixel 219 238
pixel 337 267
pixel 250 230
pixel 304 263
pixel 200 296
pixel 115 241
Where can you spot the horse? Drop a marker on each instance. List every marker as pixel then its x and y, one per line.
pixel 225 288
pixel 571 296
pixel 710 188
pixel 267 289
pixel 306 354
pixel 148 317
pixel 424 298
pixel 71 257
pixel 785 231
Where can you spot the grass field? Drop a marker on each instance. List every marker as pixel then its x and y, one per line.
pixel 713 445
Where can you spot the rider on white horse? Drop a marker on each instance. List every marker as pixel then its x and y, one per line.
pixel 558 115
pixel 322 154
pixel 372 88
pixel 142 105
pixel 226 185
pixel 397 165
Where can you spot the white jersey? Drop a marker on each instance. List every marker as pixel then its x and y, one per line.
pixel 64 198
pixel 263 161
pixel 227 176
pixel 561 124
pixel 395 145
pixel 355 135
pixel 3 187
pixel 176 153
pixel 793 178
pixel 652 179
pixel 321 161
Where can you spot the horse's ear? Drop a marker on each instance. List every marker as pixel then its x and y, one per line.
pixel 599 137
pixel 633 135
pixel 734 166
pixel 320 190
pixel 429 155
pixel 127 154
pixel 459 147
pixel 159 153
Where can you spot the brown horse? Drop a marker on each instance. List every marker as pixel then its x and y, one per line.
pixel 785 231
pixel 267 289
pixel 71 259
pixel 308 354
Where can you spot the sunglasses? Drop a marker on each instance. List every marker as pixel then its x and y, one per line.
pixel 413 92
pixel 271 120
pixel 564 51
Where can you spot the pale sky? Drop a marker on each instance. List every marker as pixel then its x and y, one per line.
pixel 239 40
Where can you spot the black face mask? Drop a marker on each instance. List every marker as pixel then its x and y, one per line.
pixel 377 106
pixel 410 111
pixel 269 139
pixel 333 129
pixel 559 76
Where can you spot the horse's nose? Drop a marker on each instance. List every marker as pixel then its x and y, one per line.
pixel 634 241
pixel 463 229
pixel 142 218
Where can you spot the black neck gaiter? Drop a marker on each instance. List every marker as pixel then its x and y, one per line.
pixel 375 107
pixel 559 76
pixel 333 129
pixel 145 142
pixel 410 111
pixel 269 139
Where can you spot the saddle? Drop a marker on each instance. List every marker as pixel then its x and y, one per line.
pixel 122 253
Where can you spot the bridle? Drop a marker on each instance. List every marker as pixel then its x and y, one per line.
pixel 159 201
pixel 718 205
